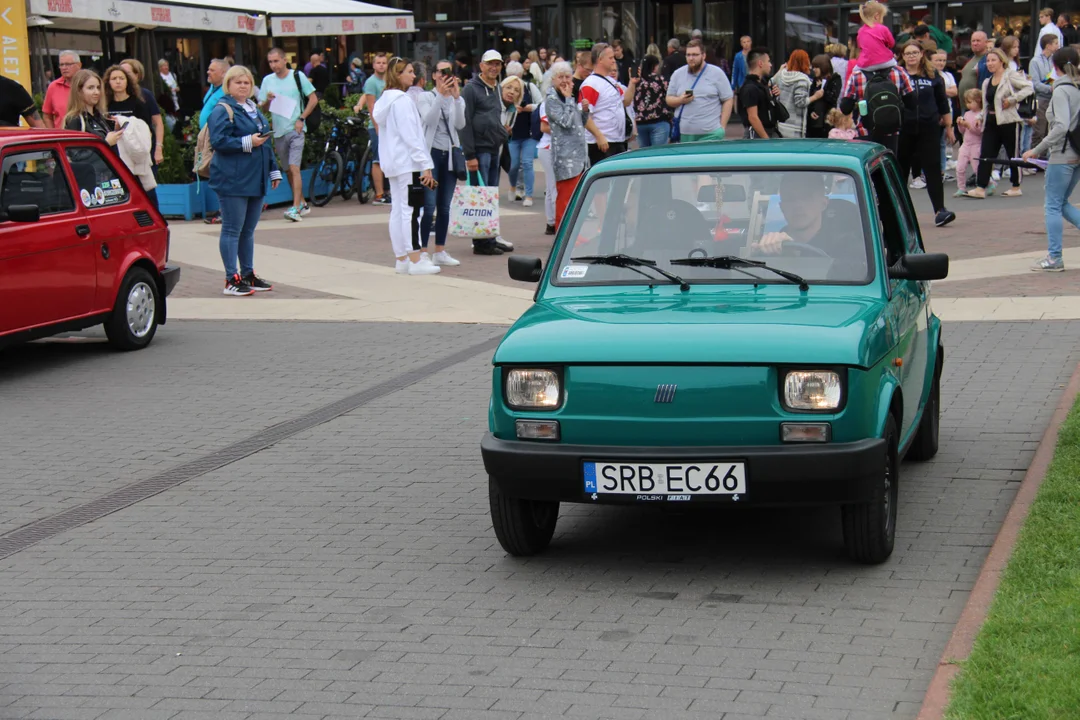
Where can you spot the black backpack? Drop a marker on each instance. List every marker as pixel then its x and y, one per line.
pixel 884 109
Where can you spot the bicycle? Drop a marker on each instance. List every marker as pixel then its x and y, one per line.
pixel 337 170
pixel 365 186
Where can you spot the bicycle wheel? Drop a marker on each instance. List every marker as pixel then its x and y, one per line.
pixel 365 186
pixel 349 175
pixel 326 178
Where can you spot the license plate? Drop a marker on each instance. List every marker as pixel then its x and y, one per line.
pixel 666 481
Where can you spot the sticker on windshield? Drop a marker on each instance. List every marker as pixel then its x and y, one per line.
pixel 571 272
pixel 84 195
pixel 99 196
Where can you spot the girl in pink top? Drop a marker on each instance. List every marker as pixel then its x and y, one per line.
pixel 875 40
pixel 842 126
pixel 970 150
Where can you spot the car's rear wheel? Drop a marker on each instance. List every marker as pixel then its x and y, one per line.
pixel 870 528
pixel 925 444
pixel 523 527
pixel 134 318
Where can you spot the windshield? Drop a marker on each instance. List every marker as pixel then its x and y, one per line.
pixel 807 222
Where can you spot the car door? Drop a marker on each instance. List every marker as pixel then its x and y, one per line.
pixel 47 271
pixel 115 221
pixel 904 301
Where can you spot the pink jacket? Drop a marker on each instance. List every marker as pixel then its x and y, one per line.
pixel 875 45
pixel 974 131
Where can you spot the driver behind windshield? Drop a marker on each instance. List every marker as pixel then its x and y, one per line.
pixel 832 226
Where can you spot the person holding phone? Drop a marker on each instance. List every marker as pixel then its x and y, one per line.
pixel 443 114
pixel 703 96
pixel 87 110
pixel 244 168
pixel 407 163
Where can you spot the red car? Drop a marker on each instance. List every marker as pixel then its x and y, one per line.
pixel 80 244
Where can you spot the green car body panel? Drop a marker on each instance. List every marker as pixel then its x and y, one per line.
pixel 725 345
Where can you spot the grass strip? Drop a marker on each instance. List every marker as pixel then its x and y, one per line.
pixel 1025 664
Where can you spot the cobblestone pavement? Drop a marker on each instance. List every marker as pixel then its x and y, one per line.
pixel 350 570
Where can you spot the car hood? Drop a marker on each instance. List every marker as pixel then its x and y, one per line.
pixel 700 328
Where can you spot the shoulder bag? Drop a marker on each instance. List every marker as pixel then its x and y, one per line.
pixel 675 134
pixel 314 120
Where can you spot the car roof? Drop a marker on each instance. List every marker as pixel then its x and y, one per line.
pixel 10 136
pixel 742 153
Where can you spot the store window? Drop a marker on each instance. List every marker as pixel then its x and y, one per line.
pixel 584 25
pixel 811 29
pixel 719 31
pixel 1014 19
pixel 619 22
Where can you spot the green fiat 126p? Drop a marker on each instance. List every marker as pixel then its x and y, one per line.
pixel 740 323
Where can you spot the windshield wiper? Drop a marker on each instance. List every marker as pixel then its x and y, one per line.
pixel 632 263
pixel 734 262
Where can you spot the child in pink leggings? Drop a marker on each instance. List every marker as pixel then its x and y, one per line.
pixel 971 124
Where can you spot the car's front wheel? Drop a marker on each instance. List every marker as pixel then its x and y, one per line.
pixel 870 528
pixel 523 527
pixel 134 318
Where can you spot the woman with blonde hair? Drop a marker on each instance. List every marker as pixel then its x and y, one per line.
pixel 242 171
pixel 512 91
pixel 1002 93
pixel 654 50
pixel 407 164
pixel 87 110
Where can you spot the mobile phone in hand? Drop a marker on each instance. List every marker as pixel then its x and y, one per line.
pixel 268 133
pixel 689 93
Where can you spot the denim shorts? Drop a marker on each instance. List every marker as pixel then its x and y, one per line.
pixel 289 148
pixel 374 145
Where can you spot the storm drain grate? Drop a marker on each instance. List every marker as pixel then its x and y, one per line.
pixel 22 538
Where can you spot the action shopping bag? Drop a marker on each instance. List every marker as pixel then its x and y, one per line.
pixel 474 211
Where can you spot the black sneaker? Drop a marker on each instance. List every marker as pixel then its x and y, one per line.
pixel 549 230
pixel 256 283
pixel 944 217
pixel 236 286
pixel 489 248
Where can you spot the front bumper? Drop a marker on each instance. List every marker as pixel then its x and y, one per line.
pixel 170 276
pixel 826 474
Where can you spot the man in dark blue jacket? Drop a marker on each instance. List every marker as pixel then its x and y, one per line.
pixel 483 136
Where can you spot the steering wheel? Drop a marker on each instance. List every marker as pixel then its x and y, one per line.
pixel 811 249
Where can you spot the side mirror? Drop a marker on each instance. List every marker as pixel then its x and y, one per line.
pixel 525 268
pixel 21 213
pixel 921 267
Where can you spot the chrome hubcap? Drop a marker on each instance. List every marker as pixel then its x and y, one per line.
pixel 140 309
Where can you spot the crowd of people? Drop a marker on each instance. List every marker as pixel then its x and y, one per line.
pixel 460 122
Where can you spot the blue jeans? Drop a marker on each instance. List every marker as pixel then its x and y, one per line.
pixel 489 168
pixel 656 133
pixel 944 157
pixel 1025 137
pixel 239 216
pixel 1061 180
pixel 522 154
pixel 439 198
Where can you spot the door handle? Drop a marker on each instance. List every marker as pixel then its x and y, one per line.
pixel 82 230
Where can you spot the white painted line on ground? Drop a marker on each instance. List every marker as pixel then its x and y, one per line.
pixel 335 310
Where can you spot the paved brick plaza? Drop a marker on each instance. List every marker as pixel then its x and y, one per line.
pixel 350 570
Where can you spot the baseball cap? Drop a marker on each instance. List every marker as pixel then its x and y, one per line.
pixel 491 55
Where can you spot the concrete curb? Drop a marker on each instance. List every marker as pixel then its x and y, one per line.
pixel 978 604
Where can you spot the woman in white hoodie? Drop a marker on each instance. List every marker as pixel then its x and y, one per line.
pixel 405 160
pixel 794 83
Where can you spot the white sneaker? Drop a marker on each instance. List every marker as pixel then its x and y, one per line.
pixel 950 164
pixel 305 209
pixel 425 258
pixel 504 245
pixel 401 267
pixel 917 184
pixel 528 202
pixel 423 268
pixel 443 258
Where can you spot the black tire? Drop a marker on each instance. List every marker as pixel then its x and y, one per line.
pixel 348 183
pixel 523 527
pixel 365 186
pixel 870 528
pixel 326 179
pixel 925 445
pixel 134 318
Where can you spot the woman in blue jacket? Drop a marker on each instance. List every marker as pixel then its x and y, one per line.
pixel 242 170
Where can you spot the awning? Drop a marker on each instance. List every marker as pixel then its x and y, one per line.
pixel 334 17
pixel 222 16
pixel 287 18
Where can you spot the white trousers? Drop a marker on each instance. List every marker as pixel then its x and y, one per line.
pixel 549 182
pixel 401 231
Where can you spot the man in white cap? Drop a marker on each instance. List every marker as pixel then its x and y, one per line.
pixel 483 136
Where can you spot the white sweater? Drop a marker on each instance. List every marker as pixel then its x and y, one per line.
pixel 402 148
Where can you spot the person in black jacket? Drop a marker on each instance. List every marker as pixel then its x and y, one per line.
pixel 920 137
pixel 825 92
pixel 483 136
